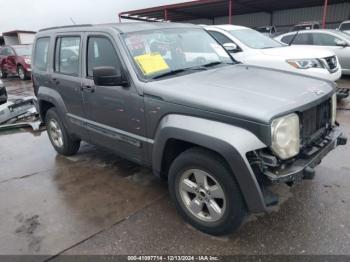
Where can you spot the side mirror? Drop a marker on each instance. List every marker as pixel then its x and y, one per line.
pixel 341 43
pixel 230 47
pixel 108 76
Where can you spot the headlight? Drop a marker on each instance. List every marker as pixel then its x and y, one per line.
pixel 305 63
pixel 334 108
pixel 285 136
pixel 28 61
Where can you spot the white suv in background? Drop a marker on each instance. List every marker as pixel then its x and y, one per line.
pixel 251 47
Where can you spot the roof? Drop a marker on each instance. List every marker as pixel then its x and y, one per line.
pixel 227 27
pixel 123 27
pixel 210 9
pixel 18 31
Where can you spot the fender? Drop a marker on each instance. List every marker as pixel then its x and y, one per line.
pixel 50 95
pixel 229 141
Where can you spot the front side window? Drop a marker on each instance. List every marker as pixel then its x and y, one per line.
pixel 157 52
pixel 325 39
pixel 7 51
pixel 254 39
pixel 41 53
pixel 67 55
pixel 101 52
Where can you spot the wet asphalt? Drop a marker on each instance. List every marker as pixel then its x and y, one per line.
pixel 98 203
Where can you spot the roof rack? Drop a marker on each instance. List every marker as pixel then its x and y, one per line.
pixel 65 26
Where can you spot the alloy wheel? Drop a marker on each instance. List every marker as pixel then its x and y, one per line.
pixel 55 133
pixel 202 195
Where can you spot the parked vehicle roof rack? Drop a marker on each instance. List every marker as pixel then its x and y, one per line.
pixel 65 26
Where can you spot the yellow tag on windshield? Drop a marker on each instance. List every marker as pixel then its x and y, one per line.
pixel 151 63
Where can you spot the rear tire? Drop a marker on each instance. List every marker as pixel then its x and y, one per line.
pixel 61 140
pixel 214 207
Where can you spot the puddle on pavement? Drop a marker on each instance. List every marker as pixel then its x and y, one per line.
pixel 65 200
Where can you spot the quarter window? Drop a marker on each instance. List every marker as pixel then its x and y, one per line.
pixel 303 39
pixel 41 53
pixel 222 39
pixel 101 52
pixel 67 55
pixel 286 39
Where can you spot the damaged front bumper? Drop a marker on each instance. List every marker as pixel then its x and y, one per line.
pixel 303 167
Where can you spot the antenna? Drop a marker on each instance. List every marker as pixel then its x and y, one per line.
pixel 73 22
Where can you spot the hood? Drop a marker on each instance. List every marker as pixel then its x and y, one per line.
pixel 247 92
pixel 296 52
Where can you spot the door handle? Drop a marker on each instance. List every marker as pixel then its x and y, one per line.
pixel 55 81
pixel 88 88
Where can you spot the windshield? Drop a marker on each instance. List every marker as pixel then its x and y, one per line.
pixel 158 52
pixel 23 50
pixel 254 39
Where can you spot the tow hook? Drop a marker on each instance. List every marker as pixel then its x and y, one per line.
pixel 309 173
pixel 342 140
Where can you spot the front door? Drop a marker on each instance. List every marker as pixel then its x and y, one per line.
pixel 322 40
pixel 115 114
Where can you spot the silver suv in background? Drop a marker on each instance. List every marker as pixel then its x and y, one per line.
pixel 345 27
pixel 308 25
pixel 323 39
pixel 169 97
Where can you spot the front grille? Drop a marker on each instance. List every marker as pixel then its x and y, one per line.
pixel 331 63
pixel 315 122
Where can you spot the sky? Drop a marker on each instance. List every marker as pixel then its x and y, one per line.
pixel 37 14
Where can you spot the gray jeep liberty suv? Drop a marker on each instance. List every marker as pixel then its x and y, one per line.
pixel 169 97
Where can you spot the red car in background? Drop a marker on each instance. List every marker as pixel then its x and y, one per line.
pixel 16 59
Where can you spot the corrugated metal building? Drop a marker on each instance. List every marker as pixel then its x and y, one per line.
pixel 283 13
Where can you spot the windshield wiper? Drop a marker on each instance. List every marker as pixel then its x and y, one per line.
pixel 177 71
pixel 212 64
pixel 194 68
pixel 170 73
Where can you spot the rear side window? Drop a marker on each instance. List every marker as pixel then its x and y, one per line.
pixel 67 54
pixel 101 52
pixel 41 53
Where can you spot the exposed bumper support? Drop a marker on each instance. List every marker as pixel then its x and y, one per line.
pixel 342 93
pixel 303 168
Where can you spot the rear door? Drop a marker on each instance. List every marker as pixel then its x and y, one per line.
pixel 115 113
pixel 66 78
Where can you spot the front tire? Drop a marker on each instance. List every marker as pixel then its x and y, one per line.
pixel 61 140
pixel 22 73
pixel 2 74
pixel 205 192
